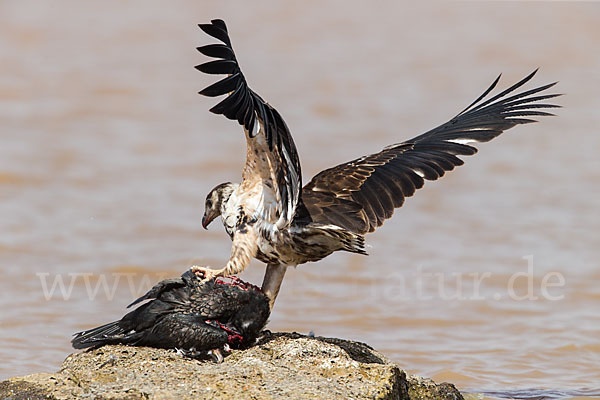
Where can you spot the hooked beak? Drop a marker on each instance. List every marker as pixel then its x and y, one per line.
pixel 207 219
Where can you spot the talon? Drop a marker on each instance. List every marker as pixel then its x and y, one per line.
pixel 205 273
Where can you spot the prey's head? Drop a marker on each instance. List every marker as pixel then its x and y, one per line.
pixel 215 202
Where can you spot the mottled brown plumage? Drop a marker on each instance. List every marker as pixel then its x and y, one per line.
pixel 380 182
pixel 269 217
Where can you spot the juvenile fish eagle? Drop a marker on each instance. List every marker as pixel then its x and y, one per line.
pixel 271 217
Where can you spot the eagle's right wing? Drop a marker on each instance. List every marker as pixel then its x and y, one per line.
pixel 272 160
pixel 359 195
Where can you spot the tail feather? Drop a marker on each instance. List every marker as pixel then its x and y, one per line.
pixel 106 334
pixel 354 243
pixel 350 241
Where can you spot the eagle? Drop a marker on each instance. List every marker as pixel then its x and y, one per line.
pixel 196 317
pixel 272 217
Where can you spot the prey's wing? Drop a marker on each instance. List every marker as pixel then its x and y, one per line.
pixel 159 289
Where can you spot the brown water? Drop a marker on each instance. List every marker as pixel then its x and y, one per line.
pixel 107 152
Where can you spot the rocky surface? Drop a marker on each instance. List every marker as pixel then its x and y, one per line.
pixel 289 366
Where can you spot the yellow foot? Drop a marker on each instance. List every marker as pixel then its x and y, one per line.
pixel 206 273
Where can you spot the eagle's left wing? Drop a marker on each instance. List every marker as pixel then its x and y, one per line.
pixel 360 194
pixel 272 160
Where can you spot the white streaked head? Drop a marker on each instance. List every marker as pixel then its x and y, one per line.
pixel 215 202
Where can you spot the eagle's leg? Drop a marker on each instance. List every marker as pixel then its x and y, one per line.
pixel 206 273
pixel 272 281
pixel 243 249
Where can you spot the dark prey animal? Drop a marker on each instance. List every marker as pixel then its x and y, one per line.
pixel 194 316
pixel 272 217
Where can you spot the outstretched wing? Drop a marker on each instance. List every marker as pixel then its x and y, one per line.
pixel 359 195
pixel 272 159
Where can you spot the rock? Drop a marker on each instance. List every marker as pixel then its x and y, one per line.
pixel 426 389
pixel 282 365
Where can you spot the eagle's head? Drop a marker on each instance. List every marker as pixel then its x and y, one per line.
pixel 215 202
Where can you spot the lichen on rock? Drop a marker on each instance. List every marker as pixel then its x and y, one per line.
pixel 282 365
